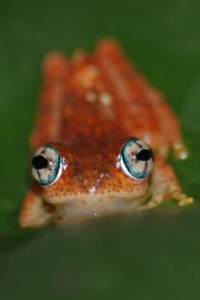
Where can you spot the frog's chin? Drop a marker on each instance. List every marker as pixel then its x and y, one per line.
pixel 79 208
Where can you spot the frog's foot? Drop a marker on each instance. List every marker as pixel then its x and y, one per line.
pixel 165 187
pixel 34 212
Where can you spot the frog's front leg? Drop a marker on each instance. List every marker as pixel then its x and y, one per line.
pixel 165 186
pixel 35 212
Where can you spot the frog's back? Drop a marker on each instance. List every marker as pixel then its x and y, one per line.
pixel 95 99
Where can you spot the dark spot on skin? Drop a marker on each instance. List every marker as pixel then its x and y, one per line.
pixel 65 123
pixel 119 181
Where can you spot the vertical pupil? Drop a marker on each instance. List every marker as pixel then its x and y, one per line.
pixel 39 162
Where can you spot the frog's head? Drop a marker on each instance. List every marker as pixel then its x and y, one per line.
pixel 121 173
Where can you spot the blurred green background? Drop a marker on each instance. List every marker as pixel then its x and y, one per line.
pixel 151 255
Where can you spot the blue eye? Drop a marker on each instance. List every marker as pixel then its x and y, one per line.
pixel 136 159
pixel 46 165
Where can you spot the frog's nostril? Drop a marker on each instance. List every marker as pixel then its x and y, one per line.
pixel 39 162
pixel 144 155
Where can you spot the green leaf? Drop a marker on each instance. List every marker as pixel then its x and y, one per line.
pixel 151 255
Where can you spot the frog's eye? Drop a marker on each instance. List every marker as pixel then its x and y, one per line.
pixel 47 165
pixel 136 159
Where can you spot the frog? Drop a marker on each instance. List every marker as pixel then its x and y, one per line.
pixel 101 141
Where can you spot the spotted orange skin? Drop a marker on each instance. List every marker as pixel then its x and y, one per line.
pixel 92 175
pixel 89 107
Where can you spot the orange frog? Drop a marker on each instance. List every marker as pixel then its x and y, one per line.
pixel 98 119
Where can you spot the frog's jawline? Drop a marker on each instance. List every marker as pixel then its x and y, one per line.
pixel 98 206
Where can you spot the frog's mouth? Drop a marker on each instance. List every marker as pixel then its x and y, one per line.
pixel 86 207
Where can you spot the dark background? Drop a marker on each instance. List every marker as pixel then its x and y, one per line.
pixel 152 255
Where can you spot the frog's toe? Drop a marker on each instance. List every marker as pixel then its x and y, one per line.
pixel 184 200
